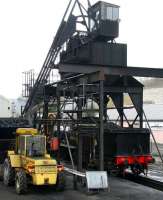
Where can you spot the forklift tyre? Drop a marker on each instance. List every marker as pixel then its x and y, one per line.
pixel 61 182
pixel 21 182
pixel 8 173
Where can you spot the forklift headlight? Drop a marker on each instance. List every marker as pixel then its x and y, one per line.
pixel 60 168
pixel 31 168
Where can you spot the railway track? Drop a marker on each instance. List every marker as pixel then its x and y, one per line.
pixel 149 181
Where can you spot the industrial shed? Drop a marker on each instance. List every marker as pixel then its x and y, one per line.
pixel 5 107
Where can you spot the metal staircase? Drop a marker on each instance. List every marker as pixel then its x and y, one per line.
pixel 66 29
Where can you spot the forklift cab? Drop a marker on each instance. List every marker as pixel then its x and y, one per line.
pixel 104 21
pixel 30 143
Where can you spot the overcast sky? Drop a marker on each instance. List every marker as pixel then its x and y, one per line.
pixel 27 28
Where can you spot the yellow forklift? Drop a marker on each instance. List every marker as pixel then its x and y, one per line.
pixel 30 163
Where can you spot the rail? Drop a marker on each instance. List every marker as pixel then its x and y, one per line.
pixel 74 172
pixel 144 180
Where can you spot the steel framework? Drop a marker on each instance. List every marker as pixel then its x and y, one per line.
pixel 86 83
pixel 88 96
pixel 66 29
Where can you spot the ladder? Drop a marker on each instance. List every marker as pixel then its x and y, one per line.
pixel 63 33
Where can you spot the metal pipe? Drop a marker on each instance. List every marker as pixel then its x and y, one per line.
pixel 67 79
pixel 153 138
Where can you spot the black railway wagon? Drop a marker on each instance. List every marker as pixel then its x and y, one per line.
pixel 128 147
pixel 123 147
pixel 8 128
pixel 7 141
pixel 126 141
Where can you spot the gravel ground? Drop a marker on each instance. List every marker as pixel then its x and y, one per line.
pixel 120 189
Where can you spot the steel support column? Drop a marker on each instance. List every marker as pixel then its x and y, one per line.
pixel 80 153
pixel 80 142
pixel 45 115
pixel 58 121
pixel 101 136
pixel 141 113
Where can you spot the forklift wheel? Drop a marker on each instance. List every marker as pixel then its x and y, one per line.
pixel 8 173
pixel 60 186
pixel 21 182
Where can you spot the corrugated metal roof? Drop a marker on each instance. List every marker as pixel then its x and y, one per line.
pixel 4 98
pixel 106 3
